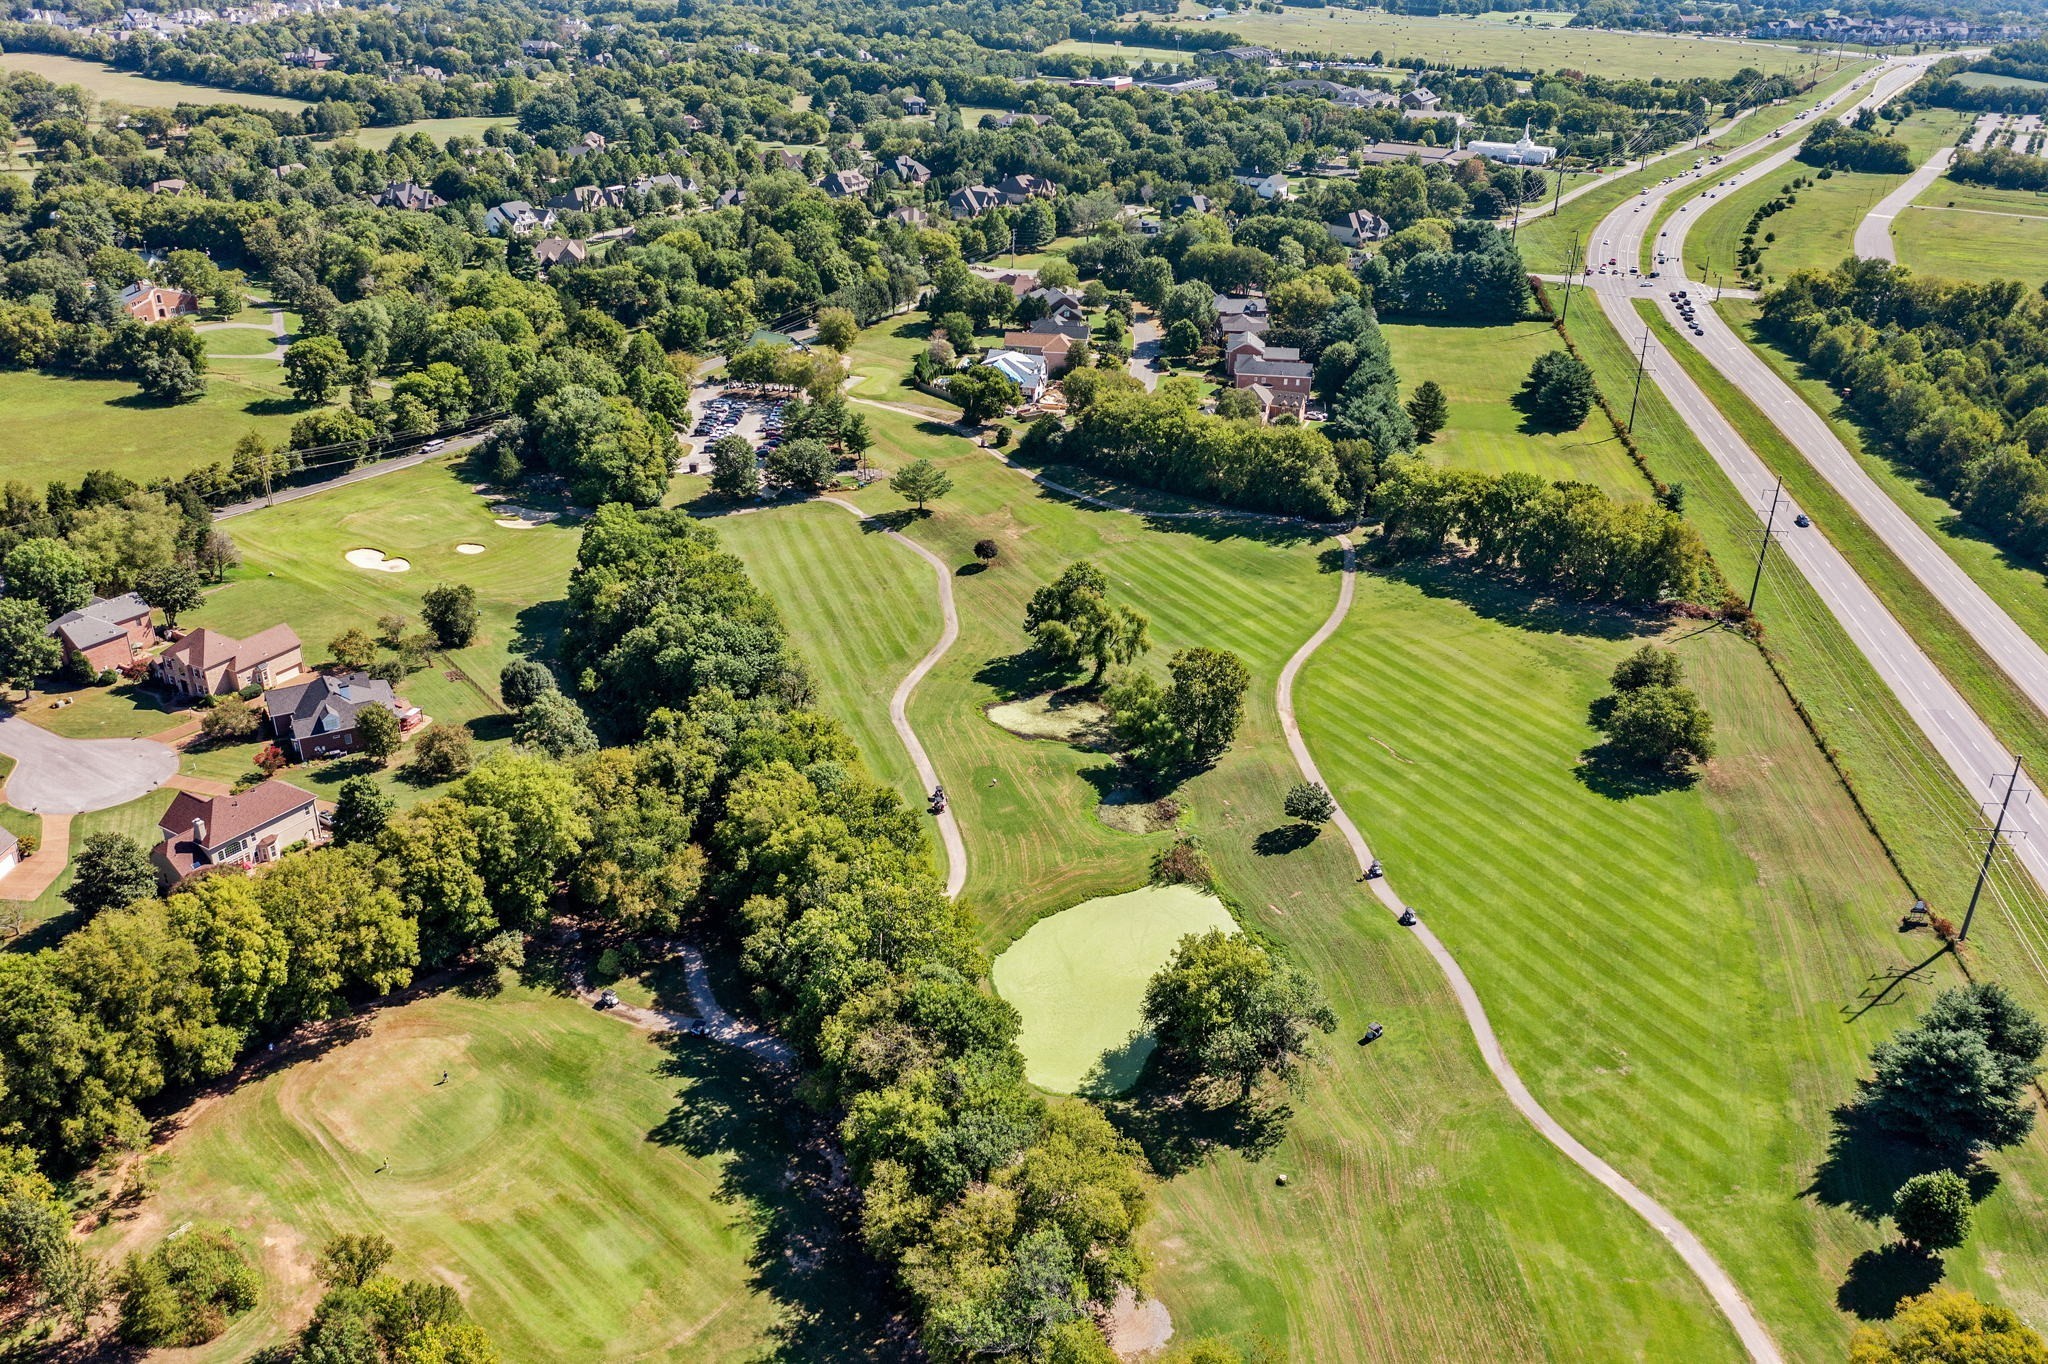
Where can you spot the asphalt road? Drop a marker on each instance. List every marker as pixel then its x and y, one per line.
pixel 1965 742
pixel 56 775
pixel 1727 1297
pixel 1874 233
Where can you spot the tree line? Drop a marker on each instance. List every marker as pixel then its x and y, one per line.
pixel 1952 375
pixel 1570 535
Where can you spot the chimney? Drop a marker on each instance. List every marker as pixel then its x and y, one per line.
pixel 199 831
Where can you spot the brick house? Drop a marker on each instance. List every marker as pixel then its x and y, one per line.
pixel 255 827
pixel 108 632
pixel 316 718
pixel 1290 377
pixel 209 663
pixel 147 302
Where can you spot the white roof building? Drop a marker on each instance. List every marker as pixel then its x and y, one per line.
pixel 1027 369
pixel 1524 151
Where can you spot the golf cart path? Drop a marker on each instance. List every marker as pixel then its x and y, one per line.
pixel 705 1009
pixel 899 702
pixel 1727 1297
pixel 56 775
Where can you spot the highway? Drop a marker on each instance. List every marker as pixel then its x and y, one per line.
pixel 1962 738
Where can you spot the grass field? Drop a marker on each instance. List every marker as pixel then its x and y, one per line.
pixel 1373 1183
pixel 293 571
pixel 1974 232
pixel 1481 369
pixel 865 621
pixel 137 819
pixel 1078 978
pixel 1817 232
pixel 439 129
pixel 1491 42
pixel 1131 54
pixel 1985 80
pixel 108 85
pixel 1546 242
pixel 82 424
pixel 593 1194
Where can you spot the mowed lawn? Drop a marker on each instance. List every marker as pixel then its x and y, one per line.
pixel 293 570
pixel 125 87
pixel 1481 369
pixel 137 820
pixel 591 1193
pixel 1818 231
pixel 863 610
pixel 1975 232
pixel 439 129
pixel 72 425
pixel 1410 1178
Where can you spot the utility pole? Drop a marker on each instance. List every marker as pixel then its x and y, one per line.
pixel 1991 846
pixel 1770 524
pixel 1571 274
pixel 1642 363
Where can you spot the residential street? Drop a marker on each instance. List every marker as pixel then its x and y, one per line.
pixel 56 775
pixel 1962 738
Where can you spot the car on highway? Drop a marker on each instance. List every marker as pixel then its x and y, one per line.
pixel 1802 520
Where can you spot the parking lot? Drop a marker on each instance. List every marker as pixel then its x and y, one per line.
pixel 755 419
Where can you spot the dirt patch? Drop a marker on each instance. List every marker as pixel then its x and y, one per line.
pixel 468 548
pixel 1135 1329
pixel 1128 810
pixel 1067 716
pixel 374 559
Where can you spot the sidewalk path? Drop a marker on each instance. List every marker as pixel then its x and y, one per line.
pixel 36 874
pixel 899 702
pixel 1755 1339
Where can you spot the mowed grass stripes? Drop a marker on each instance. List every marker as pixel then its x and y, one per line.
pixel 1423 1218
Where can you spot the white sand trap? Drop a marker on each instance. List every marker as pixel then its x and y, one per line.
pixel 1136 1329
pixel 521 518
pixel 374 559
pixel 469 549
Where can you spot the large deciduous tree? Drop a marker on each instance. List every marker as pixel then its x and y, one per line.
pixel 1227 1013
pixel 1072 622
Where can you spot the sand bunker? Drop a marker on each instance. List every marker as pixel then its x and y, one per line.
pixel 1062 715
pixel 467 548
pixel 374 559
pixel 1135 1329
pixel 520 518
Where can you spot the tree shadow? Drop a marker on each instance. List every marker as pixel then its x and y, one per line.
pixel 486 728
pixel 899 520
pixel 1866 1166
pixel 1503 599
pixel 1118 1068
pixel 537 629
pixel 1287 838
pixel 1605 772
pixel 1879 1280
pixel 970 570
pixel 1024 673
pixel 780 1166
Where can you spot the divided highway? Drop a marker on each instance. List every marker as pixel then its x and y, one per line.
pixel 1874 233
pixel 1964 741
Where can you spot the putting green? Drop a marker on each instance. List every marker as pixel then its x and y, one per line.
pixel 1078 978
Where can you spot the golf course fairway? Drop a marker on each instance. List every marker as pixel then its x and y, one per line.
pixel 1078 978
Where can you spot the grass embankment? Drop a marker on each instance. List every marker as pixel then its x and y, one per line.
pixel 1818 231
pixel 584 1208
pixel 136 819
pixel 1975 232
pixel 1481 369
pixel 1386 1223
pixel 1546 243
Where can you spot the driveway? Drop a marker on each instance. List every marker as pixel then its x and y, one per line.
pixel 55 775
